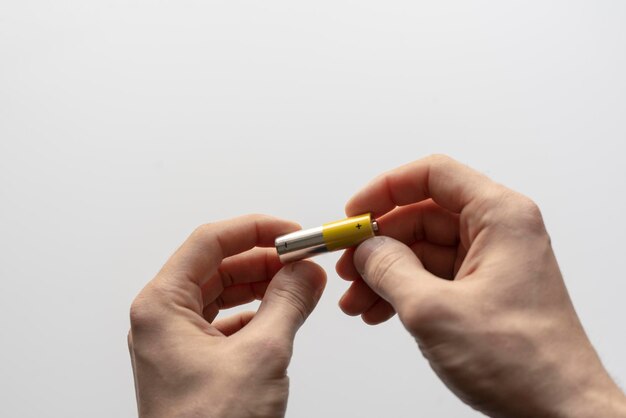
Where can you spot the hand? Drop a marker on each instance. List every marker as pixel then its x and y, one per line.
pixel 185 363
pixel 469 268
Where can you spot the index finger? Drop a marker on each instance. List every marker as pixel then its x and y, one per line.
pixel 201 254
pixel 449 183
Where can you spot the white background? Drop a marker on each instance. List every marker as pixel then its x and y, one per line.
pixel 125 124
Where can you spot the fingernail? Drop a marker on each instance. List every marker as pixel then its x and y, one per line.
pixel 364 251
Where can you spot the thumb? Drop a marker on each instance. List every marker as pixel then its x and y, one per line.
pixel 392 270
pixel 290 297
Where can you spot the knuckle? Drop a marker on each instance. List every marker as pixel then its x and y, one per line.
pixel 506 208
pixel 441 159
pixel 520 213
pixel 441 162
pixel 140 313
pixel 497 197
pixel 255 216
pixel 528 213
pixel 203 229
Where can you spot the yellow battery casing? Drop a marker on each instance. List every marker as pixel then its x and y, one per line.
pixel 348 232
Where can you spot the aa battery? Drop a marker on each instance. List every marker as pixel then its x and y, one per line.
pixel 331 236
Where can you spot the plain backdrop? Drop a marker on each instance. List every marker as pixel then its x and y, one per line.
pixel 126 124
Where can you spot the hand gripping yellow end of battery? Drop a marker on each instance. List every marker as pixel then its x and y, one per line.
pixel 331 236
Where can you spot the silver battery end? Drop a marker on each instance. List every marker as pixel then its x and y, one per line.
pixel 300 244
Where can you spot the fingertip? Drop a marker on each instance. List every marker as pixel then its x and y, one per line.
pixel 381 312
pixel 349 208
pixel 292 225
pixel 358 298
pixel 311 272
pixel 369 321
pixel 365 250
pixel 345 266
pixel 347 311
pixel 307 268
pixel 356 207
pixel 291 296
pixel 345 306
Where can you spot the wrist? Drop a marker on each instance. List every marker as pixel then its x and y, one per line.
pixel 601 399
pixel 192 408
pixel 224 401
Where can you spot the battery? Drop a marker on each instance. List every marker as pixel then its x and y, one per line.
pixel 331 236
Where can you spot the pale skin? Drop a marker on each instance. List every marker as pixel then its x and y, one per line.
pixel 465 262
pixel 188 364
